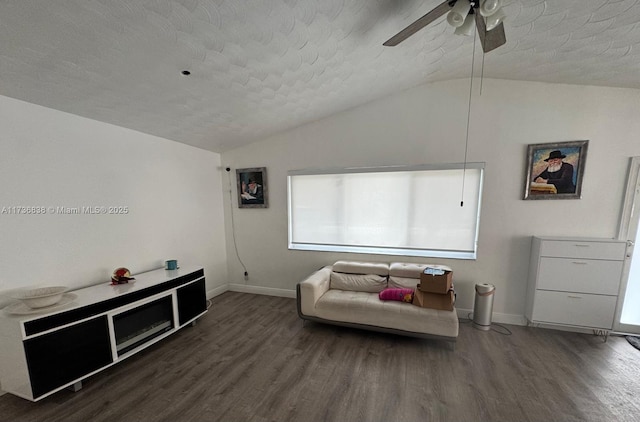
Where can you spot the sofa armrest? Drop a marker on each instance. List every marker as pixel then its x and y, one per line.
pixel 311 289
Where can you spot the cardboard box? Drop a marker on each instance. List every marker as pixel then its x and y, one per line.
pixel 436 283
pixel 434 300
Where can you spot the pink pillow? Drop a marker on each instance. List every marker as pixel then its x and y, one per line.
pixel 402 295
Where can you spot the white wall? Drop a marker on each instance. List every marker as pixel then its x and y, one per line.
pixel 427 125
pixel 52 159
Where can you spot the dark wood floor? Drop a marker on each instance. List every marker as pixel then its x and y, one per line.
pixel 251 359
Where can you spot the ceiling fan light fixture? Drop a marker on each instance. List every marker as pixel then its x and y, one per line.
pixel 489 7
pixel 467 27
pixel 495 19
pixel 458 13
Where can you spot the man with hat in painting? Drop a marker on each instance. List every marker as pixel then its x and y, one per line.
pixel 558 173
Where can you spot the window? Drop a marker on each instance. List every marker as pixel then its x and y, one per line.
pixel 412 211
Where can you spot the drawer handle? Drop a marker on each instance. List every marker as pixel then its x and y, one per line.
pixel 574 297
pixel 579 262
pixel 581 246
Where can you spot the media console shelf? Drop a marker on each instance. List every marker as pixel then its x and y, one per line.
pixel 44 352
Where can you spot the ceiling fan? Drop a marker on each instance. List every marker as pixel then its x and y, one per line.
pixel 487 14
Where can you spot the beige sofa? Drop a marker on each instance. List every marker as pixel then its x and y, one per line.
pixel 346 293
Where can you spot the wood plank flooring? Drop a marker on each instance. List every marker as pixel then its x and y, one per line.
pixel 252 359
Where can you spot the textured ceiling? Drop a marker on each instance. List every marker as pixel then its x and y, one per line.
pixel 259 67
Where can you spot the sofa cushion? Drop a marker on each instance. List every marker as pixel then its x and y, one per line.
pixel 368 309
pixel 406 270
pixel 353 267
pixel 403 283
pixel 405 275
pixel 372 283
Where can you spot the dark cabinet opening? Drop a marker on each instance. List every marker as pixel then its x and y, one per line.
pixel 139 325
pixel 65 355
pixel 192 301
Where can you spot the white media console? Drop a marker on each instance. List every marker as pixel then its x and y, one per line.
pixel 44 351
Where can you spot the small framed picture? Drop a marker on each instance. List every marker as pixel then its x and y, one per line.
pixel 252 187
pixel 555 170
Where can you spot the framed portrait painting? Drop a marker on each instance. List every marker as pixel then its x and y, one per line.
pixel 252 187
pixel 555 170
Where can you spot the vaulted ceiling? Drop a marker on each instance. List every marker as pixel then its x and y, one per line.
pixel 259 67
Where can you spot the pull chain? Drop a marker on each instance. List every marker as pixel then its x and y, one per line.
pixel 466 143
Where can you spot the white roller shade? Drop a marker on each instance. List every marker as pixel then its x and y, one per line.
pixel 412 211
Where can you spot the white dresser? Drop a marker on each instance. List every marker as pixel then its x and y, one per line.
pixel 574 281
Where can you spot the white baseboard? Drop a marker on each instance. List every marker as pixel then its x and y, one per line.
pixel 569 328
pixel 496 317
pixel 462 313
pixel 269 291
pixel 217 291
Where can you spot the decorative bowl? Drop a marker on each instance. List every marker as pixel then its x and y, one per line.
pixel 40 297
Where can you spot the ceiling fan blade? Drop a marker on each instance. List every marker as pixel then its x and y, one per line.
pixel 419 24
pixel 490 40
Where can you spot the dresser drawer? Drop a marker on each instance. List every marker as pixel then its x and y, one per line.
pixel 582 310
pixel 580 275
pixel 583 249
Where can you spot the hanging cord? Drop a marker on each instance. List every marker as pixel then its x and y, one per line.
pixel 482 73
pixel 233 227
pixel 466 142
pixel 507 332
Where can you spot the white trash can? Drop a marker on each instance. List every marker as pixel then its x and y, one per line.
pixel 483 306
